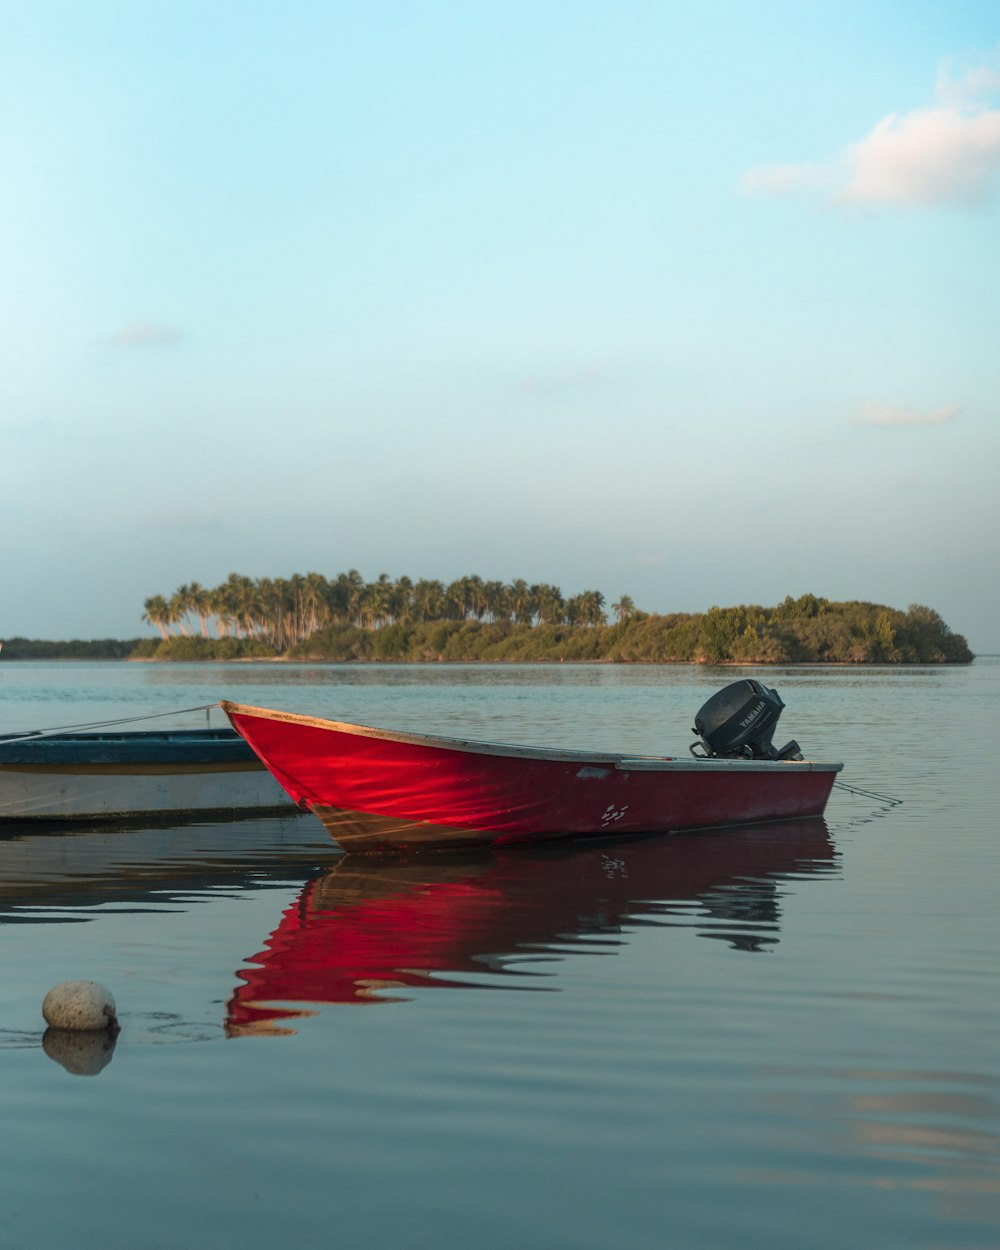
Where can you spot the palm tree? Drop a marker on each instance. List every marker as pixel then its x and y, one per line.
pixel 296 607
pixel 215 606
pixel 157 613
pixel 475 596
pixel 521 603
pixel 272 610
pixel 177 610
pixel 340 599
pixel 586 608
pixel 549 604
pixel 234 604
pixel 376 602
pixel 624 608
pixel 453 608
pixel 355 585
pixel 429 600
pixel 401 599
pixel 200 605
pixel 497 601
pixel 315 601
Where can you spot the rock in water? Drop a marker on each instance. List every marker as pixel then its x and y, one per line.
pixel 80 1005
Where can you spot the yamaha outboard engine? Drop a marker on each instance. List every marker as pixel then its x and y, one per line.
pixel 738 723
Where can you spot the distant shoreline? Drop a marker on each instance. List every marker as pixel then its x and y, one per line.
pixel 808 630
pixel 485 663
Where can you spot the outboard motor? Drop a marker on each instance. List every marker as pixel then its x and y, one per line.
pixel 738 723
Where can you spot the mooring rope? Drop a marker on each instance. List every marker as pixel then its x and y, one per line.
pixel 867 794
pixel 102 724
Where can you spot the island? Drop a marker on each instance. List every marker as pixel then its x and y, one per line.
pixel 314 619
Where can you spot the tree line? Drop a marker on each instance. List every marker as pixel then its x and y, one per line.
pixel 346 619
pixel 283 612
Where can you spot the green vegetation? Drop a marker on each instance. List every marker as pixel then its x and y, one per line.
pixel 77 649
pixel 283 613
pixel 312 618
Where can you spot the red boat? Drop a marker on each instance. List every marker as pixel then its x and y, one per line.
pixel 378 790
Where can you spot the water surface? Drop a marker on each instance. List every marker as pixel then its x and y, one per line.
pixel 779 1036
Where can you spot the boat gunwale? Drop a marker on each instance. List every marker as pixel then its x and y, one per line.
pixel 137 751
pixel 616 760
pixel 212 733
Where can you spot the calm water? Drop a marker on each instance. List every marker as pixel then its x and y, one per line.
pixel 779 1037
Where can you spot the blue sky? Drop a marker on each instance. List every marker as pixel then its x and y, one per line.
pixel 694 302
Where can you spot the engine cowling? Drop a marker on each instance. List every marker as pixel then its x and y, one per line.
pixel 738 722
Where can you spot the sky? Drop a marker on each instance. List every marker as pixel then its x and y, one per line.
pixel 693 302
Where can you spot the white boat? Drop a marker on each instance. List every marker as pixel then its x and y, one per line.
pixel 134 776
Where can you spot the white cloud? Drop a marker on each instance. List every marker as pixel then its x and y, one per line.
pixel 945 153
pixel 938 155
pixel 898 415
pixel 974 83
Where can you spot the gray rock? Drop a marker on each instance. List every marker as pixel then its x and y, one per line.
pixel 81 1006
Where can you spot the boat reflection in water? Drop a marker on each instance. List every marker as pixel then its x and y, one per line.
pixel 368 928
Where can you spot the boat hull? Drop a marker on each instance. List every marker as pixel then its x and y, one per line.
pixel 375 790
pixel 134 776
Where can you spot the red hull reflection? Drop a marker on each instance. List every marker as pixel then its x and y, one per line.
pixel 368 927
